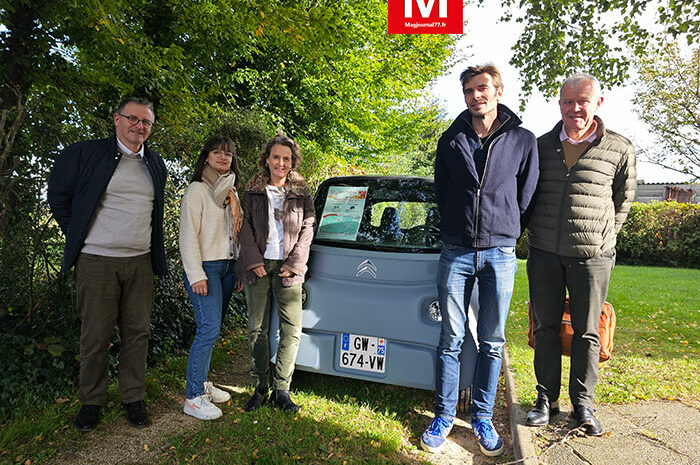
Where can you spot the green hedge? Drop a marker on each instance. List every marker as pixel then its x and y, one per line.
pixel 656 234
pixel 661 234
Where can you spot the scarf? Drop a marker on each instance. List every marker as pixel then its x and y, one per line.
pixel 224 193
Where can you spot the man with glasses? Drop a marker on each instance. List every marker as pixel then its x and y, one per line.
pixel 107 197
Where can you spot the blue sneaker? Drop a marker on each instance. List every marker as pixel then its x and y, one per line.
pixel 433 438
pixel 490 442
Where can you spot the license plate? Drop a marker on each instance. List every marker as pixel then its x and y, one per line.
pixel 366 353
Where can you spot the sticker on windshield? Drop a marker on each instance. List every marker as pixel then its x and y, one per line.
pixel 342 213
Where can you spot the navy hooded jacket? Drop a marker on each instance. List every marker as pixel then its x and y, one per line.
pixel 491 211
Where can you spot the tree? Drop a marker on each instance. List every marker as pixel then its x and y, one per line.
pixel 325 71
pixel 562 37
pixel 668 100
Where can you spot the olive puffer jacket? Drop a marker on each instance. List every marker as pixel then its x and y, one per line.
pixel 298 218
pixel 578 212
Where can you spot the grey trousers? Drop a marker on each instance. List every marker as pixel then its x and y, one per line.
pixel 259 297
pixel 113 291
pixel 550 276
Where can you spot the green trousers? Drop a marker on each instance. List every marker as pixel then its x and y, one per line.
pixel 113 291
pixel 259 297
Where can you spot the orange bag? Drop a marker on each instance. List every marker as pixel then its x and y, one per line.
pixel 606 330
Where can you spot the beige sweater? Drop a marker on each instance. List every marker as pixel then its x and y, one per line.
pixel 203 231
pixel 121 226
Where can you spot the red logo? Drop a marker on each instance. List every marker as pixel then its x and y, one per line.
pixel 425 17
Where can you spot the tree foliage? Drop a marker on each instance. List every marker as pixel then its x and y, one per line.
pixel 562 37
pixel 668 100
pixel 325 71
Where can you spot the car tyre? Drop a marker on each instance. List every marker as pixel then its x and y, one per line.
pixel 465 400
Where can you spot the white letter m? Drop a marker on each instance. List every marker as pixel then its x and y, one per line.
pixel 425 7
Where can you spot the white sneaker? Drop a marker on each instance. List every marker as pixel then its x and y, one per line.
pixel 217 395
pixel 202 408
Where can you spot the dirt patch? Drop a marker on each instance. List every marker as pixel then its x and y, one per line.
pixel 123 444
pixel 461 446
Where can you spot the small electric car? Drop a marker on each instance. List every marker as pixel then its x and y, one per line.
pixel 370 308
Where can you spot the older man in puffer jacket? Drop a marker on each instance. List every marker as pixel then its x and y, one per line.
pixel 586 185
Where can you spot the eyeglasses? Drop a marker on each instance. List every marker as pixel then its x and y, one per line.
pixel 221 154
pixel 133 121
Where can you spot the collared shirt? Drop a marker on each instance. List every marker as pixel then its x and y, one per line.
pixel 563 136
pixel 124 149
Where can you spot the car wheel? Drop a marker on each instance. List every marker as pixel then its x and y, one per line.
pixel 465 400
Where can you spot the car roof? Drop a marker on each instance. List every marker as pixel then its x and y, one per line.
pixel 371 177
pixel 365 178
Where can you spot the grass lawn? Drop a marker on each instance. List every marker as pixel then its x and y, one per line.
pixel 349 421
pixel 333 427
pixel 343 421
pixel 657 338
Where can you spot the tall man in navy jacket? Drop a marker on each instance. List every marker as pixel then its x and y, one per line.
pixel 486 171
pixel 107 197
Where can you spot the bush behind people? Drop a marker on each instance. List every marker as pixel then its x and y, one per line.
pixel 656 234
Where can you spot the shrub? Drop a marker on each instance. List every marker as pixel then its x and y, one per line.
pixel 662 234
pixel 39 355
pixel 521 246
pixel 657 233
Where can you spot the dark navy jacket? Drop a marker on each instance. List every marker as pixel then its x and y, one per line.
pixel 490 212
pixel 77 183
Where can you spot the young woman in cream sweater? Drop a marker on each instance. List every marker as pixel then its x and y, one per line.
pixel 210 219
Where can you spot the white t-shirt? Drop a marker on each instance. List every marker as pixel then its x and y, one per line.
pixel 275 236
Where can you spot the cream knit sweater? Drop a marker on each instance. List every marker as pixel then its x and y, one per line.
pixel 203 231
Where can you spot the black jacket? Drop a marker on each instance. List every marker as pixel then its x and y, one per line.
pixel 491 211
pixel 77 183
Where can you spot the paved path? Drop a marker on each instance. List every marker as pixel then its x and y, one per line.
pixel 649 433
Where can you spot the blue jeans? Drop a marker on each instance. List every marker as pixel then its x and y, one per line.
pixel 208 313
pixel 494 271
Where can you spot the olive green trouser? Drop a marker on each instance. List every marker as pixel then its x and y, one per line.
pixel 259 298
pixel 113 291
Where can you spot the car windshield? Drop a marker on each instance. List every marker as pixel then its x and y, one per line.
pixel 378 213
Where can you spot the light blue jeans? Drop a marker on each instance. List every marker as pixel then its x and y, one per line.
pixel 493 270
pixel 208 313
